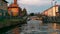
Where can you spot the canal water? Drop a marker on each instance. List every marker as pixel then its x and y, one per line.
pixel 36 27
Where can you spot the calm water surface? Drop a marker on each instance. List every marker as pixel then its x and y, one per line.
pixel 37 27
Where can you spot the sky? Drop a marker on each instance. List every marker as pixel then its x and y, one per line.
pixel 35 6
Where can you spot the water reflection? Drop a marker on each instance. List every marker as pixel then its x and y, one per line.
pixel 37 27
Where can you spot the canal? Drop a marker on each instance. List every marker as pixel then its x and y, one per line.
pixel 36 27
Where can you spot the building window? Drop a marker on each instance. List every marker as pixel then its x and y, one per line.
pixel 1 4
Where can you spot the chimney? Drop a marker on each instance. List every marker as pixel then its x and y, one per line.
pixel 15 1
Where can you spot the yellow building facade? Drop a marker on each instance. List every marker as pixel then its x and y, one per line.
pixel 51 11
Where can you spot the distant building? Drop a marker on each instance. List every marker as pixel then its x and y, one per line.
pixel 3 7
pixel 14 9
pixel 52 11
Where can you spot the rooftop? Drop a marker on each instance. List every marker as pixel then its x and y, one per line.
pixel 51 7
pixel 5 1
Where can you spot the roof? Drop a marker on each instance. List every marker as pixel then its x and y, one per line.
pixel 5 1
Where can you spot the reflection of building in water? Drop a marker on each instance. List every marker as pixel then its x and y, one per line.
pixel 50 28
pixel 3 7
pixel 52 11
pixel 58 27
pixel 16 31
pixel 14 8
pixel 32 25
pixel 54 28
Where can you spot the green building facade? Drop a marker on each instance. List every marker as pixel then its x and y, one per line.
pixel 3 7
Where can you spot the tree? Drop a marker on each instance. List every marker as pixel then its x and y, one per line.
pixel 20 11
pixel 24 12
pixel 31 14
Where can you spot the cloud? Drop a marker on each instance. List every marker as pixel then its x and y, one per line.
pixel 34 5
pixel 34 2
pixel 10 1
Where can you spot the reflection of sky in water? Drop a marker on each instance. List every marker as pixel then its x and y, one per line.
pixel 36 27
